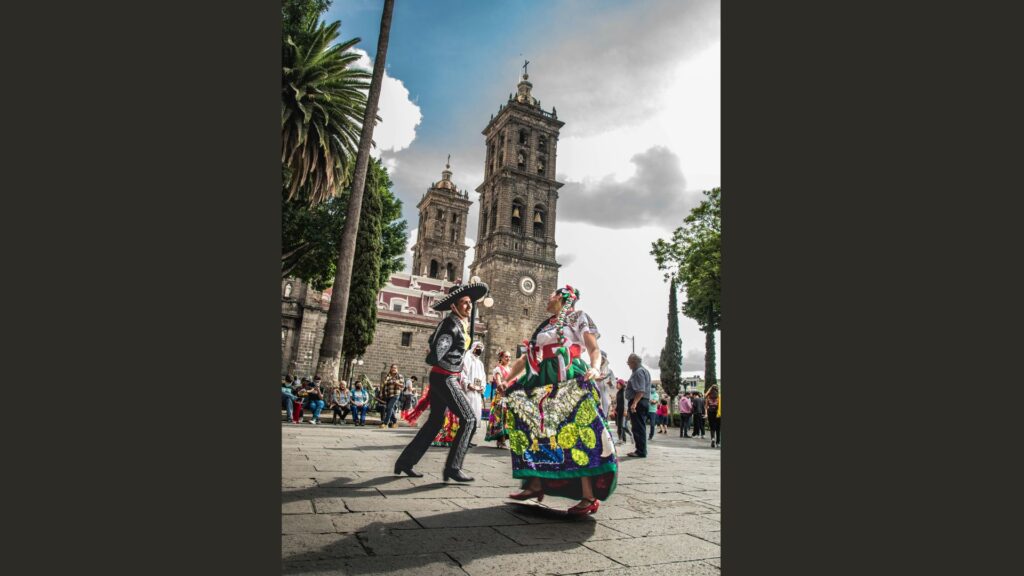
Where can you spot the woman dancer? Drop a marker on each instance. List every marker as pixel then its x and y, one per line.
pixel 496 421
pixel 557 431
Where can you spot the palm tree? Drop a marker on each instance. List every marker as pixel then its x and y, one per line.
pixel 323 99
pixel 331 346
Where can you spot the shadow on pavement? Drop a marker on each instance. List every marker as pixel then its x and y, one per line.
pixel 392 546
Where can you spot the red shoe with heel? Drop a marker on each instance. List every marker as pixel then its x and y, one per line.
pixel 579 510
pixel 527 494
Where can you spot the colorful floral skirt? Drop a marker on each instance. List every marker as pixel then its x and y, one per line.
pixel 557 432
pixel 447 434
pixel 496 420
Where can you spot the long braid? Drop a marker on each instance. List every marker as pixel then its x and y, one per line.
pixel 569 297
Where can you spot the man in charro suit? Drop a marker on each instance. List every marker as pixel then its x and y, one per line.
pixel 448 345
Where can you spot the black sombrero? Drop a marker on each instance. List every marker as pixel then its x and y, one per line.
pixel 474 291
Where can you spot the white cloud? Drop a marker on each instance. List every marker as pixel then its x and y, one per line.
pixel 623 290
pixel 399 115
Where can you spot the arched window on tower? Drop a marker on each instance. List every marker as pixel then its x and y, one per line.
pixel 538 221
pixel 542 143
pixel 434 269
pixel 288 290
pixel 521 160
pixel 455 227
pixel 541 165
pixel 494 217
pixel 518 212
pixel 450 272
pixel 523 136
pixel 483 222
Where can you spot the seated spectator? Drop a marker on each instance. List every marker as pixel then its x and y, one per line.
pixel 288 398
pixel 315 401
pixel 341 403
pixel 360 400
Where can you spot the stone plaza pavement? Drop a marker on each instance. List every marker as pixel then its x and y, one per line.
pixel 344 512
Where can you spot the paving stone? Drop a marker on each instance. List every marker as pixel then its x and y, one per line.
pixel 489 491
pixel 414 565
pixel 334 504
pixel 427 540
pixel 656 549
pixel 661 525
pixel 370 521
pixel 310 547
pixel 297 507
pixel 434 490
pixel 714 536
pixel 575 530
pixel 478 517
pixel 288 484
pixel 693 568
pixel 306 524
pixel 565 558
pixel 398 504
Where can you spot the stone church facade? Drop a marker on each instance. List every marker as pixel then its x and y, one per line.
pixel 515 248
pixel 405 319
pixel 514 255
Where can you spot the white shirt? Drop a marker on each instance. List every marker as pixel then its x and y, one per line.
pixel 472 369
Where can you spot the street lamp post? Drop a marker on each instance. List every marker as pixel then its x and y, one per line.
pixel 487 302
pixel 632 339
pixel 352 366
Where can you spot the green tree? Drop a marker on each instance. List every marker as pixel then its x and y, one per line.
pixel 323 100
pixel 671 361
pixel 693 257
pixel 361 321
pixel 309 234
pixel 299 16
pixel 329 361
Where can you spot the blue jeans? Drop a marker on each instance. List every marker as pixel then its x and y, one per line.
pixel 389 413
pixel 359 414
pixel 289 404
pixel 651 421
pixel 316 406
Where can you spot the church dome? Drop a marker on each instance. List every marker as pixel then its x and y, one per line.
pixel 446 179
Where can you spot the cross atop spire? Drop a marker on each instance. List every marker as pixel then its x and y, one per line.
pixel 525 64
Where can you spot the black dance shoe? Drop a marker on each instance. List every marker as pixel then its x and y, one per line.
pixel 456 475
pixel 408 470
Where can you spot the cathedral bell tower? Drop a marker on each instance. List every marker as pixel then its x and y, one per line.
pixel 515 249
pixel 440 248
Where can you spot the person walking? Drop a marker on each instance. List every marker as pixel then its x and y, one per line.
pixel 391 394
pixel 638 397
pixel 685 413
pixel 473 377
pixel 606 385
pixel 662 414
pixel 698 414
pixel 652 411
pixel 496 418
pixel 619 412
pixel 711 398
pixel 448 344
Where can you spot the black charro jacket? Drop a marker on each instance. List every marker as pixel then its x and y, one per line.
pixel 448 344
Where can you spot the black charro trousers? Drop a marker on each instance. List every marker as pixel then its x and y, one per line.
pixel 444 393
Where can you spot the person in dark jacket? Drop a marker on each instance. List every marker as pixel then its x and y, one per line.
pixel 698 414
pixel 448 345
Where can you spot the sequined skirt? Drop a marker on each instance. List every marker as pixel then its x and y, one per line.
pixel 557 432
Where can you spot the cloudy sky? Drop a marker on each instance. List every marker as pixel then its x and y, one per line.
pixel 638 86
